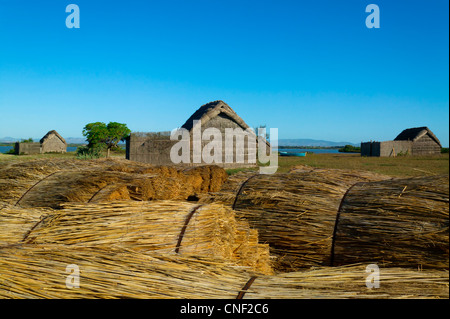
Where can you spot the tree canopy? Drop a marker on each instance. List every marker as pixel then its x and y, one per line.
pixel 109 135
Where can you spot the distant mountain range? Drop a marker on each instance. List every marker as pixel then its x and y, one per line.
pixel 311 142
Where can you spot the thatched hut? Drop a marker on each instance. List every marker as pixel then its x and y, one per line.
pixel 412 141
pixel 423 141
pixel 220 120
pixel 53 142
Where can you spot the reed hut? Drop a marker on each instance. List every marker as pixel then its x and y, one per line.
pixel 412 141
pixel 52 142
pixel 423 141
pixel 154 148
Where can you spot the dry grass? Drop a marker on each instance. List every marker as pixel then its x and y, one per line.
pixel 401 166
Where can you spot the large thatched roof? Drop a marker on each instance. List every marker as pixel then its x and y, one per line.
pixel 52 132
pixel 413 134
pixel 212 109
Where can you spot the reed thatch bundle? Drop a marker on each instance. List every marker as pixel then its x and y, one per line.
pixel 205 178
pixel 350 282
pixel 294 213
pixel 163 226
pixel 403 222
pixel 98 185
pixel 42 272
pixel 50 183
pixel 15 223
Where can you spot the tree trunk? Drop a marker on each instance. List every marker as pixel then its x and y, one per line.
pixel 107 153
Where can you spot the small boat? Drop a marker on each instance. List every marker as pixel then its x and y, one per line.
pixel 298 154
pixel 292 154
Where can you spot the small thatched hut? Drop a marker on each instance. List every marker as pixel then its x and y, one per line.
pixel 53 142
pixel 423 141
pixel 412 141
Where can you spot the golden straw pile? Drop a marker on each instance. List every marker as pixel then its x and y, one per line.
pixel 29 271
pixel 50 183
pixel 403 222
pixel 140 231
pixel 294 213
pixel 399 222
pixel 163 226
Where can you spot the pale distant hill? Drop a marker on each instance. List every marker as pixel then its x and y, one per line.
pixel 9 139
pixel 311 142
pixel 76 140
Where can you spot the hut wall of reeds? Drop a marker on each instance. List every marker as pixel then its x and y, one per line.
pixel 152 148
pixel 27 148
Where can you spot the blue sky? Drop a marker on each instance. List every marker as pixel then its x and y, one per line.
pixel 312 69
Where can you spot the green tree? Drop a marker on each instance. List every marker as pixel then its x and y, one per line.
pixel 98 134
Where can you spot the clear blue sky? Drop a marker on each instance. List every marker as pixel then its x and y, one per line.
pixel 312 69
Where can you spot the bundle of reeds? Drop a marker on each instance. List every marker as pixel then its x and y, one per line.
pixel 15 223
pixel 205 178
pixel 50 272
pixel 98 185
pixel 163 226
pixel 402 222
pixel 352 281
pixel 48 184
pixel 19 178
pixel 294 213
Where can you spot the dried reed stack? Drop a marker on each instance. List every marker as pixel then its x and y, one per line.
pixel 294 213
pixel 15 223
pixel 50 183
pixel 163 226
pixel 350 282
pixel 402 222
pixel 40 272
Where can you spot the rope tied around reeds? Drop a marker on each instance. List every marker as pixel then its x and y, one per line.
pixel 183 229
pixel 240 190
pixel 338 215
pixel 246 287
pixel 29 189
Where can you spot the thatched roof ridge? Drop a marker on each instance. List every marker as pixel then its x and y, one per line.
pixel 413 134
pixel 211 110
pixel 46 136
